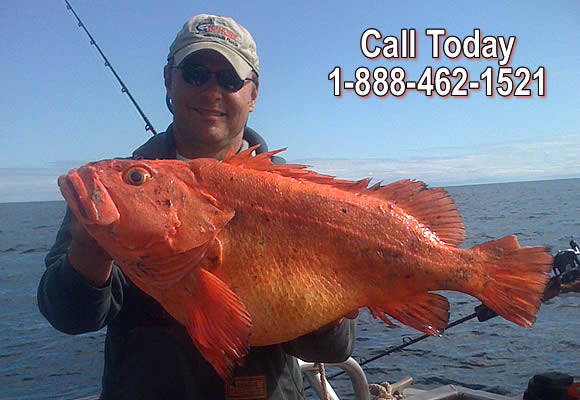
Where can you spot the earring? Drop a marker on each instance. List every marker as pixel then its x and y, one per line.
pixel 168 103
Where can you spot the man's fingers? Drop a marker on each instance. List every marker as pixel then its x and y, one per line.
pixel 82 238
pixel 80 234
pixel 573 286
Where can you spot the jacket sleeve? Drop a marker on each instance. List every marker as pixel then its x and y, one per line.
pixel 331 346
pixel 67 300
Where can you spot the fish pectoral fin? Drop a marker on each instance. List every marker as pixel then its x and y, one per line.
pixel 426 312
pixel 218 322
pixel 169 271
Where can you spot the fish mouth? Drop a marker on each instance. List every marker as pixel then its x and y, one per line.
pixel 88 199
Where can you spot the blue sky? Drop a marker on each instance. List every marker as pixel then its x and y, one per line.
pixel 60 108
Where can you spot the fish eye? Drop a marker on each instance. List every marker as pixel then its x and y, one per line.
pixel 137 176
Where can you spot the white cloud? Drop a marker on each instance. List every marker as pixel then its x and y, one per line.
pixel 553 158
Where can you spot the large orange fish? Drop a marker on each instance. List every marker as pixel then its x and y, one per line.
pixel 246 252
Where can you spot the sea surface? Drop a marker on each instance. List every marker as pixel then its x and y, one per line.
pixel 38 362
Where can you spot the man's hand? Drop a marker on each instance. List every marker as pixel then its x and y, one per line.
pixel 573 286
pixel 87 257
pixel 554 288
pixel 352 314
pixel 334 324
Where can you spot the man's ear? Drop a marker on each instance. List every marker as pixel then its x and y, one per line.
pixel 168 77
pixel 253 98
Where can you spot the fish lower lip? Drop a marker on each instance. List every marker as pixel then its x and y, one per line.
pixel 74 192
pixel 92 205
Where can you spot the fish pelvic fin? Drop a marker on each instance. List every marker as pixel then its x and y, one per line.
pixel 515 279
pixel 218 322
pixel 426 312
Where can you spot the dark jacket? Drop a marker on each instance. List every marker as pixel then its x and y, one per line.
pixel 148 354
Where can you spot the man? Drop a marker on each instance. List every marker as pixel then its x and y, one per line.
pixel 212 85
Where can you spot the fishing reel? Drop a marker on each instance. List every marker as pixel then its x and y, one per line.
pixel 566 265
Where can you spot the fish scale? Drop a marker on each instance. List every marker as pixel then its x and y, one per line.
pixel 243 252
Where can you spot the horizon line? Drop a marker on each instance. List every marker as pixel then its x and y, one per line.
pixel 443 186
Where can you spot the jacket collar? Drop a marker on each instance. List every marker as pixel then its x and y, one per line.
pixel 162 145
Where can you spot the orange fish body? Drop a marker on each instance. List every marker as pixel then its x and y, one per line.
pixel 244 251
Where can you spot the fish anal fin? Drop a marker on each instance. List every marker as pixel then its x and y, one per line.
pixel 218 322
pixel 426 312
pixel 515 278
pixel 378 313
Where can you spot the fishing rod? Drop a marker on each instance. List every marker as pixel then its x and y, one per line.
pixel 481 312
pixel 124 88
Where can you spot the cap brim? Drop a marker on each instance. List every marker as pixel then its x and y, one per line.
pixel 240 65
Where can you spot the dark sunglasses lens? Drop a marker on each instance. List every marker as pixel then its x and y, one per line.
pixel 195 75
pixel 198 75
pixel 229 80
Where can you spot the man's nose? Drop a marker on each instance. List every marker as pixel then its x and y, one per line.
pixel 212 87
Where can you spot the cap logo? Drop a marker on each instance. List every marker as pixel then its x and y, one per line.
pixel 217 31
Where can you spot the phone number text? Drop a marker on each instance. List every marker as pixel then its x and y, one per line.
pixel 442 82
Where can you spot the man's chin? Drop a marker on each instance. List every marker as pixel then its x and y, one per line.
pixel 204 133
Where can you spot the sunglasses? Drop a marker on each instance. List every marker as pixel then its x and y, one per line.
pixel 198 75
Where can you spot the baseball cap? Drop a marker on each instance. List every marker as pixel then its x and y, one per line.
pixel 221 34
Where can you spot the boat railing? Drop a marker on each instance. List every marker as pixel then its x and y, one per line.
pixel 355 372
pixel 361 387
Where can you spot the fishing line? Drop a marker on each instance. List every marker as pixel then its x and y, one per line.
pixel 407 342
pixel 481 312
pixel 124 88
pixel 566 266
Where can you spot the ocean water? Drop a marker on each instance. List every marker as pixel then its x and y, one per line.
pixel 38 362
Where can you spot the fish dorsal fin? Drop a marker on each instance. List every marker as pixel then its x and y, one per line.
pixel 434 208
pixel 263 162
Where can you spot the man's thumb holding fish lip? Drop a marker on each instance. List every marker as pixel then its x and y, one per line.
pixel 87 257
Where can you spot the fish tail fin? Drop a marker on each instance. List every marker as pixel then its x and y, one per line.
pixel 218 323
pixel 515 279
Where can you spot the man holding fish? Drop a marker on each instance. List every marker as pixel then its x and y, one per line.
pixel 211 78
